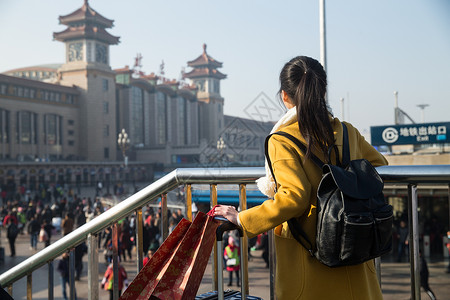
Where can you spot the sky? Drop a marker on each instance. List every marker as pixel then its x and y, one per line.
pixel 373 48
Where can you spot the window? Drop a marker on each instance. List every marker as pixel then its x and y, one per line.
pixel 70 122
pixel 161 120
pixel 3 88
pixel 106 131
pixel 201 86
pixel 26 127
pixel 106 152
pixel 217 87
pixel 89 51
pixel 70 132
pixel 69 99
pixel 105 107
pixel 182 124
pixel 137 115
pixel 71 143
pixel 4 126
pixel 53 129
pixel 214 86
pixel 105 85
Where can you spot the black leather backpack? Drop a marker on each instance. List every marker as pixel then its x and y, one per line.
pixel 354 222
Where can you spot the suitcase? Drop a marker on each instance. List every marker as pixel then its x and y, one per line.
pixel 228 294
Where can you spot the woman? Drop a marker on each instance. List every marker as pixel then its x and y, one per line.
pixel 231 255
pixel 108 280
pixel 298 275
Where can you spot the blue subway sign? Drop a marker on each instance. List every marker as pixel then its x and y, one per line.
pixel 410 134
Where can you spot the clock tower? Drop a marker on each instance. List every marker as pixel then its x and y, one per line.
pixel 206 77
pixel 87 66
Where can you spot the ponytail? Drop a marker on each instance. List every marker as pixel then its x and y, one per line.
pixel 304 80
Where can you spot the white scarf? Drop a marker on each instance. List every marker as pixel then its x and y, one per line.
pixel 266 184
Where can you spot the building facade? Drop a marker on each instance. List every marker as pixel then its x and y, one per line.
pixel 60 122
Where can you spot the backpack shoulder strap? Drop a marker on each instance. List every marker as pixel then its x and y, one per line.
pixel 294 225
pixel 299 144
pixel 345 146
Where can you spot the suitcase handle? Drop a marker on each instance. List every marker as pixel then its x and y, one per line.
pixel 227 226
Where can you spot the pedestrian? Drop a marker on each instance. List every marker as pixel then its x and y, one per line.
pixel 99 188
pixel 403 241
pixel 180 215
pixel 12 232
pixel 79 252
pixel 48 229
pixel 125 240
pixel 309 119
pixel 265 248
pixel 63 269
pixel 11 215
pixel 67 224
pixel 148 257
pixel 22 219
pixel 33 229
pixel 231 255
pixel 107 281
pixel 424 277
pixel 80 217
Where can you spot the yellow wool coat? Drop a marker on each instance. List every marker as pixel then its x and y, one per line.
pixel 298 275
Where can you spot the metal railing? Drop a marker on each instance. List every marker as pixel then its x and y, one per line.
pixel 404 175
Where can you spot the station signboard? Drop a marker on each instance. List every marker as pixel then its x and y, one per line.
pixel 410 134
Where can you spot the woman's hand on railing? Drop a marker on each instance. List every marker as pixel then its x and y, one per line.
pixel 228 212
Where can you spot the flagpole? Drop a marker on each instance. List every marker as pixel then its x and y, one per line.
pixel 323 46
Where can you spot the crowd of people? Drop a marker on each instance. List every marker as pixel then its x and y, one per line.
pixel 47 215
pixel 43 218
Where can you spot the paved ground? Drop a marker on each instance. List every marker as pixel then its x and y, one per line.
pixel 395 276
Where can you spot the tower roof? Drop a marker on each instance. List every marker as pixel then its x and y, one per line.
pixel 86 23
pixel 204 66
pixel 86 31
pixel 86 14
pixel 205 72
pixel 204 60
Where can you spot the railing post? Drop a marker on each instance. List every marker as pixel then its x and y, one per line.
pixel 72 274
pixel 414 241
pixel 115 246
pixel 51 281
pixel 244 246
pixel 164 217
pixel 377 262
pixel 189 202
pixel 220 295
pixel 139 239
pixel 29 286
pixel 213 199
pixel 272 263
pixel 448 199
pixel 92 241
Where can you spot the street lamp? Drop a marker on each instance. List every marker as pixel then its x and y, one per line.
pixel 124 144
pixel 422 110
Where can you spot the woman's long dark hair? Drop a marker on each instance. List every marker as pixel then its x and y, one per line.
pixel 304 80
